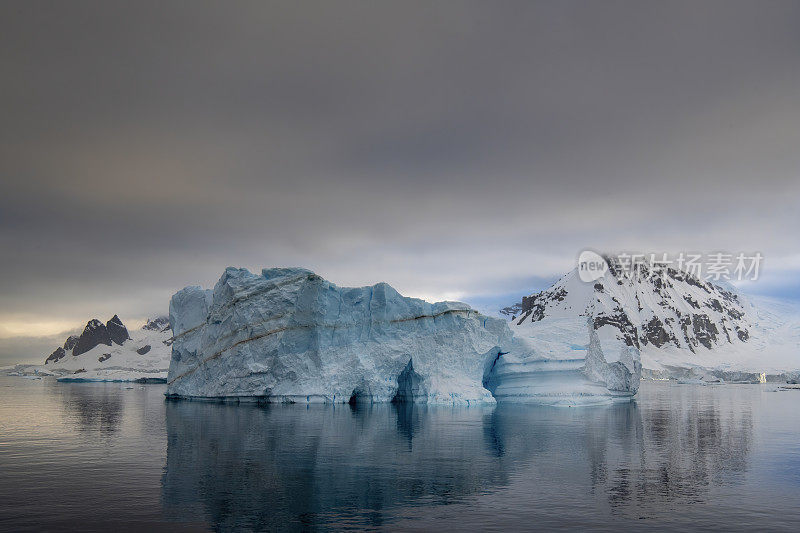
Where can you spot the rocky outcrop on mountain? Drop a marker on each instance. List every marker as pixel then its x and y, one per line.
pixel 117 331
pixel 70 343
pixel 94 334
pixel 58 354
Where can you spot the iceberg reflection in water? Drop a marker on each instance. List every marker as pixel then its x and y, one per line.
pixel 678 461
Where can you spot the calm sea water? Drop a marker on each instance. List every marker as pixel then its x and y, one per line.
pixel 118 457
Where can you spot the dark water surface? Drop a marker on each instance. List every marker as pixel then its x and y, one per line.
pixel 118 457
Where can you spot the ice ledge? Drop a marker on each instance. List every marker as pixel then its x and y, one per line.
pixel 566 361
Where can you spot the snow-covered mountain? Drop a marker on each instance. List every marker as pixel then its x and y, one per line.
pixel 94 334
pixel 676 309
pixel 683 326
pixel 109 352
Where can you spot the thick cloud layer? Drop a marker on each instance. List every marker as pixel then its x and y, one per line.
pixel 454 149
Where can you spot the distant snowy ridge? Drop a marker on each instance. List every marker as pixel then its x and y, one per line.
pixel 109 352
pixel 94 334
pixel 683 326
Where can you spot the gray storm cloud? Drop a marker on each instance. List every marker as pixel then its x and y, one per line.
pixel 450 148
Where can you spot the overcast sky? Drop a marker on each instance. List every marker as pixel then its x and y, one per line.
pixel 452 149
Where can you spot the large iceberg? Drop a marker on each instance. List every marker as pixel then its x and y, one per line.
pixel 288 335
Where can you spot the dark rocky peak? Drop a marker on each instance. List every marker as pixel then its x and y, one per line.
pixel 93 324
pixel 94 334
pixel 70 343
pixel 117 331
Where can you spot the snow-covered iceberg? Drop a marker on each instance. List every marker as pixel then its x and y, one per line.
pixel 288 335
